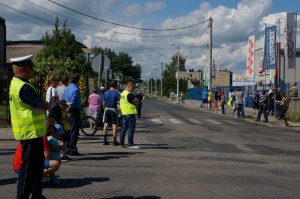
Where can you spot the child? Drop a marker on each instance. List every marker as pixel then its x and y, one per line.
pixel 52 154
pixel 284 104
pixel 66 128
pixel 215 105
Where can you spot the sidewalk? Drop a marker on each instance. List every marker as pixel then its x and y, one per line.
pixel 250 117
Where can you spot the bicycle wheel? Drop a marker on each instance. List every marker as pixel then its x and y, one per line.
pixel 88 125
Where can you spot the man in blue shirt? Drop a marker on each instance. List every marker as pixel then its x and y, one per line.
pixel 111 98
pixel 204 98
pixel 72 96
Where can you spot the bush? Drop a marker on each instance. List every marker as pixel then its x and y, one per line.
pixel 293 115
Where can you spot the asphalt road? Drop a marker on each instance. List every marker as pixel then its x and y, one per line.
pixel 185 153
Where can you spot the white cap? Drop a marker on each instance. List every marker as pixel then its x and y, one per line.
pixel 22 60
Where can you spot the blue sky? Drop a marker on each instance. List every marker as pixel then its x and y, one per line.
pixel 234 22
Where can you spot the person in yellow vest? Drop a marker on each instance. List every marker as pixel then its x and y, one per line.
pixel 128 104
pixel 28 119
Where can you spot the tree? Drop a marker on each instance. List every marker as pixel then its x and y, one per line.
pixel 121 64
pixel 169 81
pixel 62 54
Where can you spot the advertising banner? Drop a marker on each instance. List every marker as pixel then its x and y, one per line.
pixel 250 57
pixel 290 36
pixel 270 47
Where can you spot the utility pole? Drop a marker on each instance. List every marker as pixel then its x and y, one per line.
pixel 178 75
pixel 161 82
pixel 210 56
pixel 151 81
pixel 155 82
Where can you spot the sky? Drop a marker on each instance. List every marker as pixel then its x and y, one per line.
pixel 151 31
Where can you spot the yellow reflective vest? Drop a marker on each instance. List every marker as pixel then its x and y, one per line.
pixel 126 107
pixel 27 122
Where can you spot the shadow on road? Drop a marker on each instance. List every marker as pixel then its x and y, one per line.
pixel 8 181
pixel 75 182
pixel 104 156
pixel 158 146
pixel 267 150
pixel 131 197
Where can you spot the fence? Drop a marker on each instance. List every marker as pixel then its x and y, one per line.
pixel 249 91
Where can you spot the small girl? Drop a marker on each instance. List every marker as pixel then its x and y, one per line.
pixel 215 105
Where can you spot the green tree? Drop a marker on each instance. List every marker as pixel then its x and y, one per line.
pixel 62 54
pixel 169 81
pixel 121 64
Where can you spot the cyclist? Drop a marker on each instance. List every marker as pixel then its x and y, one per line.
pixel 95 104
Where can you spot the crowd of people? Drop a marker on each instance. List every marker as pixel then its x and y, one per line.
pixel 47 130
pixel 272 102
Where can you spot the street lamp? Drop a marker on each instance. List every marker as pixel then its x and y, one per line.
pixel 177 76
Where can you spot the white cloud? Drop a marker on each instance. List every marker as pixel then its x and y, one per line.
pixel 231 29
pixel 137 9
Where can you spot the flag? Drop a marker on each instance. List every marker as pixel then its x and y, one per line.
pixel 290 36
pixel 270 47
pixel 250 57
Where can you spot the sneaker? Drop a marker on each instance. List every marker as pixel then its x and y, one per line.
pixel 134 147
pixel 64 159
pixel 122 146
pixel 54 180
pixel 106 142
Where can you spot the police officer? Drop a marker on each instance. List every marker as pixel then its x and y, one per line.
pixel 27 110
pixel 128 108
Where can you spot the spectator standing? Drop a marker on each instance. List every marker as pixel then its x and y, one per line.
pixel 222 102
pixel 29 126
pixel 285 101
pixel 263 106
pixel 72 97
pixel 255 102
pixel 140 97
pixel 128 109
pixel 110 116
pixel 53 100
pixel 271 101
pixel 209 98
pixel 61 88
pixel 239 100
pixel 277 99
pixel 205 99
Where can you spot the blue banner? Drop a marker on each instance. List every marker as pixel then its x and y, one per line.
pixel 270 47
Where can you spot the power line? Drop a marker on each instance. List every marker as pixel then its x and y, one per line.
pixel 97 27
pixel 132 27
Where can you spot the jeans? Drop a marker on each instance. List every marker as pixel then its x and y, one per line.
pixel 276 107
pixel 128 122
pixel 240 110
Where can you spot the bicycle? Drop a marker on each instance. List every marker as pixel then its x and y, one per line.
pixel 89 125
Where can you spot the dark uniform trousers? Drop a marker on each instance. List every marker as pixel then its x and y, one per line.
pixel 32 168
pixel 74 120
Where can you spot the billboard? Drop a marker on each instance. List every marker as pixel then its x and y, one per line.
pixel 270 47
pixel 290 36
pixel 250 57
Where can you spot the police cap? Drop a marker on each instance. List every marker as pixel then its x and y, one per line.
pixel 22 61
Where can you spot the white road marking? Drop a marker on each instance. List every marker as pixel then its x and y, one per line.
pixel 234 123
pixel 175 121
pixel 213 121
pixel 157 121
